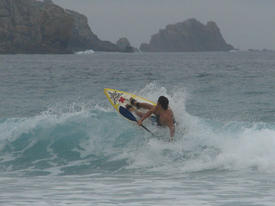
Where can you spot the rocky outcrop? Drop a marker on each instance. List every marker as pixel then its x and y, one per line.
pixel 31 26
pixel 28 26
pixel 190 35
pixel 82 38
pixel 125 46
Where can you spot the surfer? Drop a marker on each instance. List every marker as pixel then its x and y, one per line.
pixel 164 114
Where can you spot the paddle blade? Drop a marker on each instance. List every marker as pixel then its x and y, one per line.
pixel 127 114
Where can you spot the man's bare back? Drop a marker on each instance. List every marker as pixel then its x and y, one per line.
pixel 165 116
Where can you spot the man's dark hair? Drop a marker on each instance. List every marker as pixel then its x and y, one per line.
pixel 164 102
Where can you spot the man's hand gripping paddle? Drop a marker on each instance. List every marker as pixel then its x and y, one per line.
pixel 127 114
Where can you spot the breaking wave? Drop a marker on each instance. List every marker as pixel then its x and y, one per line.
pixel 84 138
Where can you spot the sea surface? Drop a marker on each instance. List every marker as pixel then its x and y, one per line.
pixel 61 142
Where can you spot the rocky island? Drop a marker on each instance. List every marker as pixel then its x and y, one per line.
pixel 32 26
pixel 187 36
pixel 125 46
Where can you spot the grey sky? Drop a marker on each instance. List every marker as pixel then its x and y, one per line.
pixel 244 23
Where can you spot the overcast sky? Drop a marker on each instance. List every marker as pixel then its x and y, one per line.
pixel 244 23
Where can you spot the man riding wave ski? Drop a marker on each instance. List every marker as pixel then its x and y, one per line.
pixel 162 111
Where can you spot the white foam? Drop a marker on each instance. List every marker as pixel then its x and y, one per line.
pixel 203 144
pixel 87 52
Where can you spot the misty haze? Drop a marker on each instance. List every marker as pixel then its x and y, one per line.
pixel 246 24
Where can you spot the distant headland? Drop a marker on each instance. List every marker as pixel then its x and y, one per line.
pixel 42 27
pixel 188 36
pixel 33 26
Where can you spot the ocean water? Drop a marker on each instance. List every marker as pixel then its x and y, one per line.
pixel 61 142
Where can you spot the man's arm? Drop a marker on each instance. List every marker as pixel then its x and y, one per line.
pixel 171 127
pixel 146 115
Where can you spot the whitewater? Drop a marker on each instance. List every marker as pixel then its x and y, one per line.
pixel 62 143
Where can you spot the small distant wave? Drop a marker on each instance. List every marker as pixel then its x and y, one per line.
pixel 87 52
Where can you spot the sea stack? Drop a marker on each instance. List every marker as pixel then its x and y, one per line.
pixel 125 46
pixel 188 36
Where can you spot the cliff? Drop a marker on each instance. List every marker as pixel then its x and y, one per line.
pixel 190 35
pixel 31 26
pixel 82 38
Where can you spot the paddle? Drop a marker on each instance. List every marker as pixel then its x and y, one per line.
pixel 127 114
